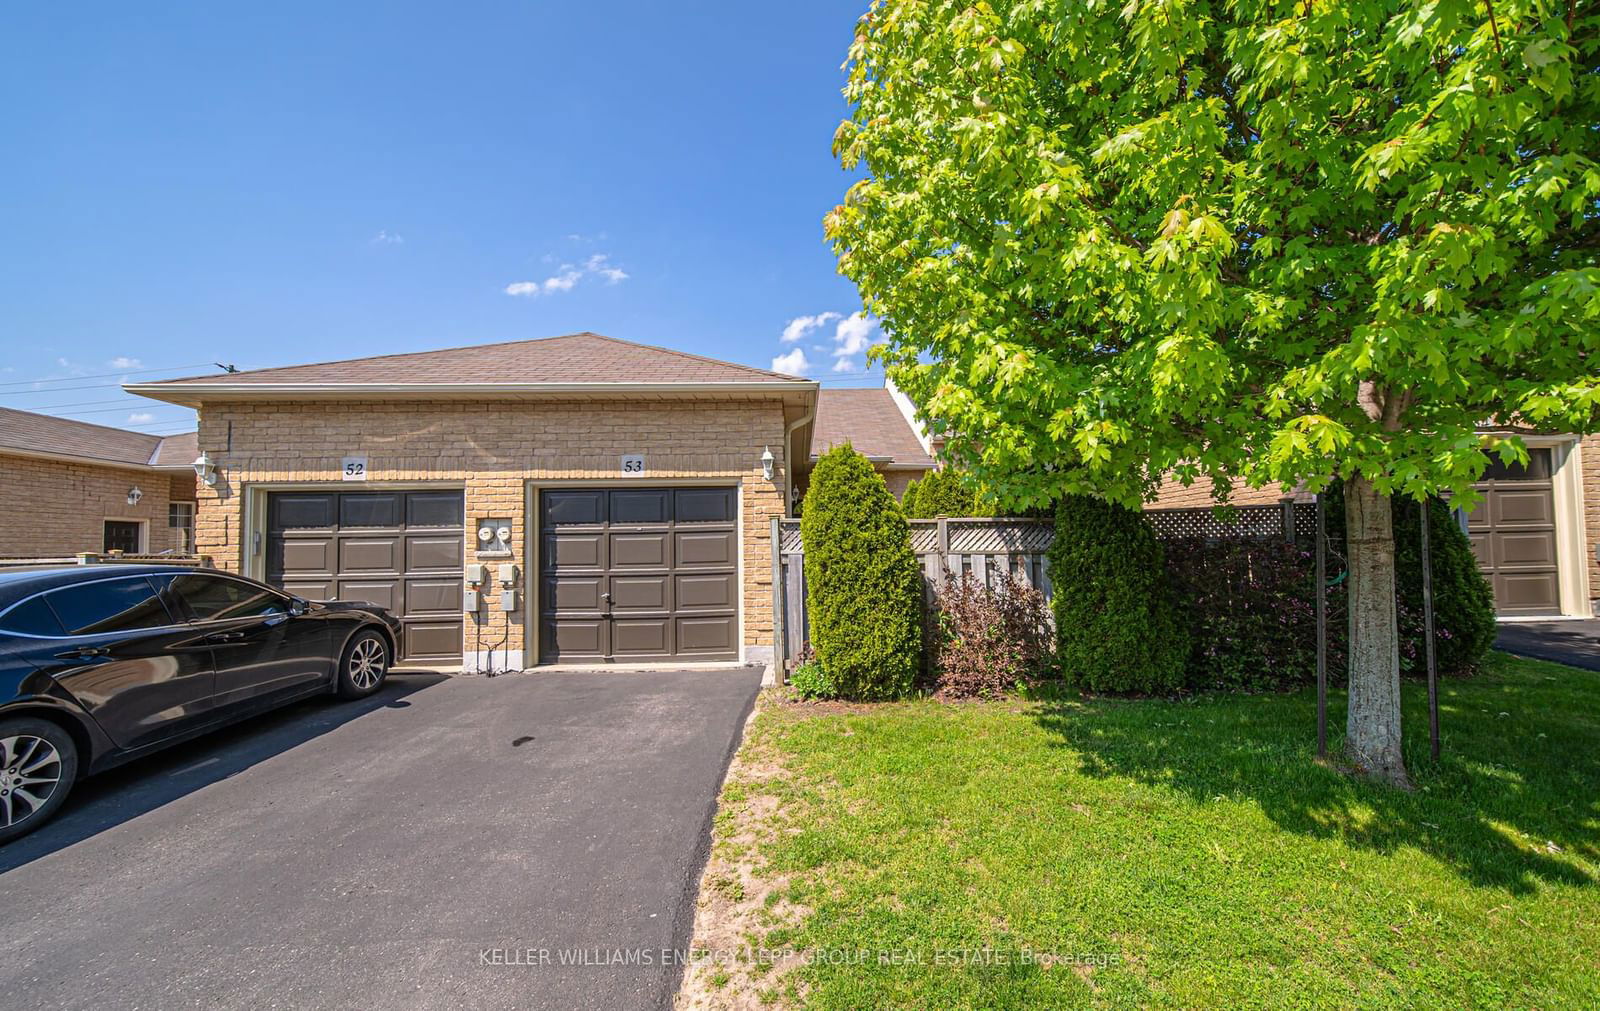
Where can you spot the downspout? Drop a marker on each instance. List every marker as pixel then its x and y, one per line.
pixel 789 462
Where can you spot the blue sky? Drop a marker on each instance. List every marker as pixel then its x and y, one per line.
pixel 270 184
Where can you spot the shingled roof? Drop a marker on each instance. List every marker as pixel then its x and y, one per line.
pixel 871 422
pixel 579 362
pixel 46 435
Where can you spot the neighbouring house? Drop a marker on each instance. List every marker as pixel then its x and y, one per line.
pixel 572 499
pixel 73 487
pixel 881 424
pixel 1535 530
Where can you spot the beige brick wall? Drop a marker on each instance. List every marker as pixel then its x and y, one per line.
pixel 899 480
pixel 495 449
pixel 1198 495
pixel 53 507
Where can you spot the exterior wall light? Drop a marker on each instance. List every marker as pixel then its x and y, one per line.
pixel 134 495
pixel 766 462
pixel 205 469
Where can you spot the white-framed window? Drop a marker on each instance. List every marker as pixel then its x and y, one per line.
pixel 180 518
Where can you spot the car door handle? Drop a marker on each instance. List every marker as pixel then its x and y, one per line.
pixel 83 653
pixel 225 637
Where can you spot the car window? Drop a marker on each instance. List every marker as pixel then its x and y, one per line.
pixel 213 597
pixel 31 617
pixel 112 605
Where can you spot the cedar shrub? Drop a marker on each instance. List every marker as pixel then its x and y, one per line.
pixel 1118 626
pixel 943 492
pixel 863 585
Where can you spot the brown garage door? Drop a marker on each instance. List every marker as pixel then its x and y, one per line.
pixel 1513 533
pixel 638 574
pixel 400 549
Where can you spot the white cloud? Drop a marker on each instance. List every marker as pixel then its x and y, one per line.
pixel 388 238
pixel 63 363
pixel 598 264
pixel 845 365
pixel 792 364
pixel 854 334
pixel 124 362
pixel 568 276
pixel 140 417
pixel 797 328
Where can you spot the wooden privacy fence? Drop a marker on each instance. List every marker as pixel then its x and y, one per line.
pixel 988 547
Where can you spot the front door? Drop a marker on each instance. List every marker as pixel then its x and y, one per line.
pixel 638 574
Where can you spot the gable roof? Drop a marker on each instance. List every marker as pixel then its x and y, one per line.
pixel 870 421
pixel 582 363
pixel 32 434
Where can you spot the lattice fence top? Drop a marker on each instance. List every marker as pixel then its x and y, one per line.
pixel 1019 536
pixel 1255 522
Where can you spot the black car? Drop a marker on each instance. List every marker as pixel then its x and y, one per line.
pixel 102 664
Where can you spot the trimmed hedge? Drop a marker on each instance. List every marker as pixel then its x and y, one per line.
pixel 943 492
pixel 1118 626
pixel 1463 601
pixel 1251 611
pixel 863 585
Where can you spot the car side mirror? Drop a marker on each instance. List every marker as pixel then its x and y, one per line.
pixel 298 606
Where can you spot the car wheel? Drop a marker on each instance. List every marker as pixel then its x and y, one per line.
pixel 364 665
pixel 38 765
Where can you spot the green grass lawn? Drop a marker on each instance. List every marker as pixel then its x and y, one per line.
pixel 1193 847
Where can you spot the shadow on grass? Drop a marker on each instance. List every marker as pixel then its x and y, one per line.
pixel 1511 802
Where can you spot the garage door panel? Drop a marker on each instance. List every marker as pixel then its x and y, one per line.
pixel 565 508
pixel 706 636
pixel 361 554
pixel 1513 535
pixel 356 546
pixel 704 548
pixel 574 551
pixel 704 592
pixel 567 638
pixel 303 555
pixel 641 593
pixel 383 592
pixel 703 505
pixel 295 511
pixel 1534 592
pixel 310 589
pixel 1481 550
pixel 433 596
pixel 433 509
pixel 640 506
pixel 431 640
pixel 639 550
pixel 369 509
pixel 1523 507
pixel 1533 548
pixel 574 593
pixel 440 552
pixel 641 637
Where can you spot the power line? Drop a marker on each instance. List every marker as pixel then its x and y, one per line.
pixel 104 375
pixel 60 389
pixel 131 406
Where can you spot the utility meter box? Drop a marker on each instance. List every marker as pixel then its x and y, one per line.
pixel 508 600
pixel 471 600
pixel 508 574
pixel 477 574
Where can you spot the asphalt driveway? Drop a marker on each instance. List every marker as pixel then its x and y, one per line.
pixel 1572 642
pixel 449 842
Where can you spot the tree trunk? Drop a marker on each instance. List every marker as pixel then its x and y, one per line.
pixel 1372 734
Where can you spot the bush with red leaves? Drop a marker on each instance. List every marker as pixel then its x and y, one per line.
pixel 990 640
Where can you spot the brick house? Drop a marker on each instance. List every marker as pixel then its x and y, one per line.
pixel 627 492
pixel 881 424
pixel 71 487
